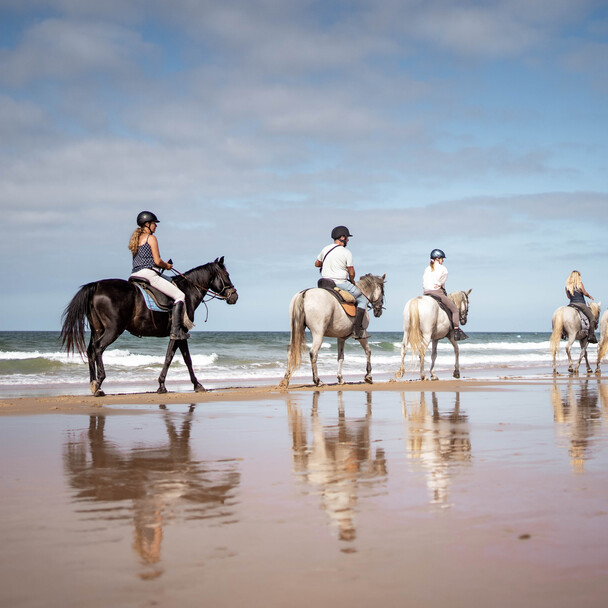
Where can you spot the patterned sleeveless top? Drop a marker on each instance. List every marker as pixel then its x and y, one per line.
pixel 577 297
pixel 143 258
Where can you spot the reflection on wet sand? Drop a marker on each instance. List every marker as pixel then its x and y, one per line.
pixel 438 442
pixel 157 480
pixel 578 415
pixel 336 460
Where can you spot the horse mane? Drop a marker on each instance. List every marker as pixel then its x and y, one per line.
pixel 595 309
pixel 368 281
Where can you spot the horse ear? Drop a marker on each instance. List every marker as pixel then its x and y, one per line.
pixel 221 261
pixel 384 278
pixel 468 292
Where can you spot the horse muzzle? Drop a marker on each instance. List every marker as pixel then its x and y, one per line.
pixel 231 296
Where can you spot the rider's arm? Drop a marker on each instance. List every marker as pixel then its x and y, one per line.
pixel 318 263
pixel 585 292
pixel 156 255
pixel 351 274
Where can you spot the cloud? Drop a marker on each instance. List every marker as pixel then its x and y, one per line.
pixel 62 50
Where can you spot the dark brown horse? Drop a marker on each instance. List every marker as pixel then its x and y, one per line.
pixel 113 306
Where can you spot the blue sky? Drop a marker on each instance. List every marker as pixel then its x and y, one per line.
pixel 251 128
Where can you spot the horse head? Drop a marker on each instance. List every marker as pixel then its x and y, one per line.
pixel 373 289
pixel 461 299
pixel 221 283
pixel 595 309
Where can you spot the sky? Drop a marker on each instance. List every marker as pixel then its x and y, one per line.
pixel 253 127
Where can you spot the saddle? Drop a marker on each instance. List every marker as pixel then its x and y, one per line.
pixel 347 300
pixel 155 300
pixel 443 307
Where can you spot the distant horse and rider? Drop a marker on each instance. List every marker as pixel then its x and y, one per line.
pixel 426 322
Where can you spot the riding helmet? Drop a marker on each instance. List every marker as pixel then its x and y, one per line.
pixel 339 231
pixel 146 216
pixel 437 253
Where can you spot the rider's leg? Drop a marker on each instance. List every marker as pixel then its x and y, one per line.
pixel 178 331
pixel 458 333
pixel 592 323
pixel 358 331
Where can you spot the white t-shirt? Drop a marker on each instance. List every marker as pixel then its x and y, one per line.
pixel 434 278
pixel 335 264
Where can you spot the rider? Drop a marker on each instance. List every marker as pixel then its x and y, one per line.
pixel 336 263
pixel 148 264
pixel 576 292
pixel 433 284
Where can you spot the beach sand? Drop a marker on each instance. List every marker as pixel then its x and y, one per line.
pixel 447 493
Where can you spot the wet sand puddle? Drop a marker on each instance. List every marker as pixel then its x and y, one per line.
pixel 428 499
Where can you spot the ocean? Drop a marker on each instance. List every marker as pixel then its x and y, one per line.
pixel 33 364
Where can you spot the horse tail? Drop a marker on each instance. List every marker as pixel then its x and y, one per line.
pixel 297 343
pixel 74 316
pixel 415 338
pixel 558 328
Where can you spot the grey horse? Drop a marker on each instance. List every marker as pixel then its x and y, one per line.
pixel 425 322
pixel 567 320
pixel 321 312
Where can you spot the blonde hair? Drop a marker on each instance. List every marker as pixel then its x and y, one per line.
pixel 134 240
pixel 574 282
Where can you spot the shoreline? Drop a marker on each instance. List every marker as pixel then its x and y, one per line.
pixel 82 404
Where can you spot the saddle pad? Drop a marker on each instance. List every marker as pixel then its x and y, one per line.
pixel 150 303
pixel 348 298
pixel 349 309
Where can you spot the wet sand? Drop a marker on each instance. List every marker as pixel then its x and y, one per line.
pixel 448 493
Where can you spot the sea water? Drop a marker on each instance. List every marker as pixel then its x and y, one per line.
pixel 33 362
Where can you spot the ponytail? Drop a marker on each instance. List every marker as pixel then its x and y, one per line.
pixel 134 240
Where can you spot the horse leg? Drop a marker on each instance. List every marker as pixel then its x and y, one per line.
pixel 368 356
pixel 97 371
pixel 168 358
pixel 456 373
pixel 317 341
pixel 341 342
pixel 433 358
pixel 584 343
pixel 183 347
pixel 401 370
pixel 568 349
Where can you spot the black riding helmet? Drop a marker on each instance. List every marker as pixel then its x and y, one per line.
pixel 340 231
pixel 437 253
pixel 146 217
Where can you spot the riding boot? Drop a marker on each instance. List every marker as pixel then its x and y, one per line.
pixel 177 329
pixel 358 332
pixel 459 334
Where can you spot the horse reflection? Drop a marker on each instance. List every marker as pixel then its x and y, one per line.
pixel 578 415
pixel 335 460
pixel 439 443
pixel 158 481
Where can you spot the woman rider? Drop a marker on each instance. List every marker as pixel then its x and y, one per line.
pixel 433 284
pixel 576 292
pixel 147 264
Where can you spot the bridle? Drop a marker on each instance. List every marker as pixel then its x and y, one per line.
pixel 378 304
pixel 228 290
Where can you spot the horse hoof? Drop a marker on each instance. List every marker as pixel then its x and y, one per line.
pixel 368 379
pixel 456 374
pixel 99 393
pixel 434 378
pixel 199 388
pixel 340 380
pixel 399 374
pixel 318 383
pixel 161 390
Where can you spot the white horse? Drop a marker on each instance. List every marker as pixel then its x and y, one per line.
pixel 567 320
pixel 321 312
pixel 602 347
pixel 424 321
